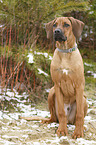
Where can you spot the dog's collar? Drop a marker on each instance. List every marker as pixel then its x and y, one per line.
pixel 67 50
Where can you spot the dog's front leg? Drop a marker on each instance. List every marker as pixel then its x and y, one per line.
pixel 80 113
pixel 62 129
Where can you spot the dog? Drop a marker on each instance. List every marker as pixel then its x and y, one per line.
pixel 66 100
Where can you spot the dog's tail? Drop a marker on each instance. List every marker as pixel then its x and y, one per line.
pixel 34 118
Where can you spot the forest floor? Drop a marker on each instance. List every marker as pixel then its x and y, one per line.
pixel 19 131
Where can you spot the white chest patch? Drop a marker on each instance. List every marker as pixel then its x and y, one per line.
pixel 65 71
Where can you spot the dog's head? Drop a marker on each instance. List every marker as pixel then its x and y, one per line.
pixel 61 28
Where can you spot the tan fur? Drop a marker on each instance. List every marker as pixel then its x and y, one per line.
pixel 66 99
pixel 67 73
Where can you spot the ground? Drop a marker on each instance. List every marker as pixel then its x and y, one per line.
pixel 21 132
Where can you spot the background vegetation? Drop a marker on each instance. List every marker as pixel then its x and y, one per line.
pixel 22 31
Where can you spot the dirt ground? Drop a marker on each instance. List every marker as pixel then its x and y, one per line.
pixel 15 131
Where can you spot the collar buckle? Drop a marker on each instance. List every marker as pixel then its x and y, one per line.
pixel 70 50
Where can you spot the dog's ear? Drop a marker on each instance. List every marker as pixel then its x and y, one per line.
pixel 77 26
pixel 49 29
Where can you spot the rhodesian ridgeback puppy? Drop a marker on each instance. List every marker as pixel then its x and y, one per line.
pixel 66 100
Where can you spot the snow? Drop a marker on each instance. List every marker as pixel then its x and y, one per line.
pixel 81 141
pixel 47 90
pixel 87 64
pixel 93 74
pixel 31 60
pixel 36 143
pixel 1 26
pixel 91 12
pixel 87 118
pixel 40 53
pixel 6 136
pixel 42 72
pixel 10 94
pixel 45 54
pixel 30 56
pixel 52 125
pixel 28 110
pixel 35 126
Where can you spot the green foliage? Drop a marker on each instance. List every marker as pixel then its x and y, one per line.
pixel 26 18
pixel 92 10
pixel 40 62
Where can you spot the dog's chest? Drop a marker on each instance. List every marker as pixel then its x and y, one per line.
pixel 61 68
pixel 63 74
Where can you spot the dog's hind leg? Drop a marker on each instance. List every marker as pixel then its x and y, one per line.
pixel 51 104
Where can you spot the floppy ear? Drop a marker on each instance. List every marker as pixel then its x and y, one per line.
pixel 77 26
pixel 49 29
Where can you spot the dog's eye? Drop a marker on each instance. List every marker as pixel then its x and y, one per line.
pixel 66 25
pixel 54 25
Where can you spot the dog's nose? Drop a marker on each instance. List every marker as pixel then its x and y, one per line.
pixel 57 31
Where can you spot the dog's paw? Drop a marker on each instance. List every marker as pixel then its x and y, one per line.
pixel 62 131
pixel 78 133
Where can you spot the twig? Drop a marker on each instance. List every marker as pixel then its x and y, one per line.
pixel 13 72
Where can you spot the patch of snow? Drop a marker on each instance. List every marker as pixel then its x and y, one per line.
pixel 47 90
pixel 52 125
pixel 45 54
pixel 6 136
pixel 87 118
pixel 25 136
pixel 8 98
pixel 11 94
pixel 42 113
pixel 87 64
pixel 57 140
pixel 42 72
pixel 30 56
pixel 25 108
pixel 18 96
pixel 4 128
pixel 1 25
pixel 15 127
pixel 91 12
pixel 35 126
pixel 93 74
pixel 50 57
pixel 36 143
pixel 14 115
pixel 85 34
pixel 6 117
pixel 85 142
pixel 71 127
pixel 1 97
pixel 41 53
pixel 5 142
pixel 91 31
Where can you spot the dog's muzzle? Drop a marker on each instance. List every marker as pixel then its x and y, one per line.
pixel 59 36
